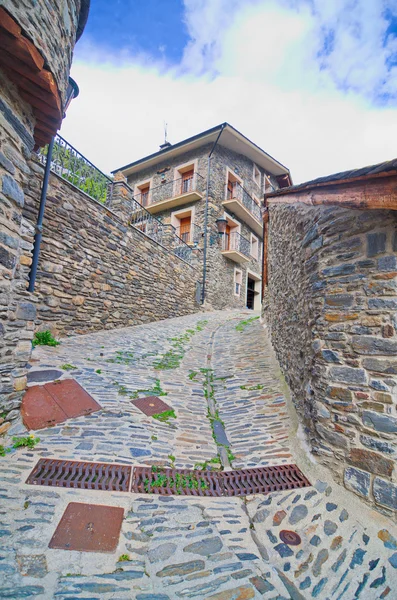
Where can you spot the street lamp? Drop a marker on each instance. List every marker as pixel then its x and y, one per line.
pixel 72 92
pixel 221 225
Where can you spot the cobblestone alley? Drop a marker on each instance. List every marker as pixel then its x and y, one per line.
pixel 217 373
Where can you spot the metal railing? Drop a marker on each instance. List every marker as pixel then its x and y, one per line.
pixel 70 164
pixel 235 191
pixel 235 241
pixel 171 189
pixel 189 235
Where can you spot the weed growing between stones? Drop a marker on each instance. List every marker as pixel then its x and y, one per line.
pixel 165 416
pixel 28 441
pixel 44 338
pixel 68 367
pixel 243 324
pixel 192 375
pixel 172 460
pixel 259 386
pixel 213 463
pixel 180 482
pixel 173 357
pixel 155 390
pixel 122 358
pixel 124 558
pixel 99 371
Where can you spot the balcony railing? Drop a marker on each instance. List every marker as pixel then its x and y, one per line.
pixel 235 191
pixel 172 189
pixel 190 235
pixel 234 241
pixel 68 163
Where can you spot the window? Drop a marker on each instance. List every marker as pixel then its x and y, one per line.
pixel 233 186
pixel 142 193
pixel 184 178
pixel 254 251
pixel 268 185
pixel 257 176
pixel 231 238
pixel 183 220
pixel 238 278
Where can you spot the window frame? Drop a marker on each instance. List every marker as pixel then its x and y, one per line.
pixel 256 173
pixel 254 237
pixel 138 189
pixel 235 282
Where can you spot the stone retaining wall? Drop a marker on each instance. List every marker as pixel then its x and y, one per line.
pixel 95 272
pixel 333 317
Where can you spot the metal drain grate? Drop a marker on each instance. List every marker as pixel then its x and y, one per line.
pixel 212 483
pixel 168 482
pixel 263 480
pixel 82 475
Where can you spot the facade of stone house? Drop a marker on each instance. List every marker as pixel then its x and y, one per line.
pixel 36 47
pixel 332 313
pixel 172 185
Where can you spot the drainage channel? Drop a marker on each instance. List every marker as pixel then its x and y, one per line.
pixel 165 481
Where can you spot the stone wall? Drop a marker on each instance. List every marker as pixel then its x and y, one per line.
pixel 95 272
pixel 17 312
pixel 333 317
pixel 53 32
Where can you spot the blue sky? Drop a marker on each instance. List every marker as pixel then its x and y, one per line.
pixel 154 27
pixel 313 82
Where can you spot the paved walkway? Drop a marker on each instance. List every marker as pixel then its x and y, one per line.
pixel 218 373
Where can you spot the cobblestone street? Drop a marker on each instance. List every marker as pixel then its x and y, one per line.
pixel 231 410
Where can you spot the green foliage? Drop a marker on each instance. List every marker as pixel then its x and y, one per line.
pixel 68 367
pixel 180 482
pixel 215 463
pixel 172 460
pixel 173 357
pixel 44 338
pixel 99 371
pixel 165 416
pixel 4 450
pixel 243 324
pixel 122 358
pixel 154 438
pixel 124 558
pixel 259 386
pixel 28 441
pixel 192 375
pixel 155 390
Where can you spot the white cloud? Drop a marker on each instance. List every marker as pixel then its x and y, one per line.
pixel 254 64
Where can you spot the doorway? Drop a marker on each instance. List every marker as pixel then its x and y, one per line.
pixel 250 293
pixel 254 285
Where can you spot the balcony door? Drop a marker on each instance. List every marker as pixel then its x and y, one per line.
pixel 185 228
pixel 187 181
pixel 227 237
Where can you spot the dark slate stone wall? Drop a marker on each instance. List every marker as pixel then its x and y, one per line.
pixel 96 272
pixel 333 318
pixel 17 308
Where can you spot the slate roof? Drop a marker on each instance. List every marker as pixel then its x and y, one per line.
pixel 339 178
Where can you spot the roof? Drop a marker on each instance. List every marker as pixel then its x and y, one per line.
pixel 373 171
pixel 230 138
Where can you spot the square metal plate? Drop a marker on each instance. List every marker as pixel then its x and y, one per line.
pixel 88 528
pixel 72 398
pixel 39 409
pixel 151 405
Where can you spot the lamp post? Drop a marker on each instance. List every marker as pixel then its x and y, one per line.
pixel 72 92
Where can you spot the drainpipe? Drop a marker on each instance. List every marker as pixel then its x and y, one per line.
pixel 39 224
pixel 206 214
pixel 265 248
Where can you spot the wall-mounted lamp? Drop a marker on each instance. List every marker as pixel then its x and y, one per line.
pixel 72 92
pixel 221 226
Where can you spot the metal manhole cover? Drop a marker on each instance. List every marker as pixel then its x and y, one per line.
pixel 53 403
pixel 88 528
pixel 44 375
pixel 82 475
pixel 39 409
pixel 72 398
pixel 290 537
pixel 151 405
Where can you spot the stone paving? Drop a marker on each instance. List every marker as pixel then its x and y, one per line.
pixel 231 407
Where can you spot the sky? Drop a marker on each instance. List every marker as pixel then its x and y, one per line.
pixel 312 82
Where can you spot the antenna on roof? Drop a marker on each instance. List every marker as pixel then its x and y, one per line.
pixel 166 143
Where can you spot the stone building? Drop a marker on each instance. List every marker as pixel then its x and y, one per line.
pixel 217 174
pixel 36 48
pixel 332 311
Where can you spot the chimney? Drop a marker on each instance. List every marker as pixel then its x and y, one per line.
pixel 165 146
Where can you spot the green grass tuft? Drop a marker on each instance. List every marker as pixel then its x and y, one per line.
pixel 44 338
